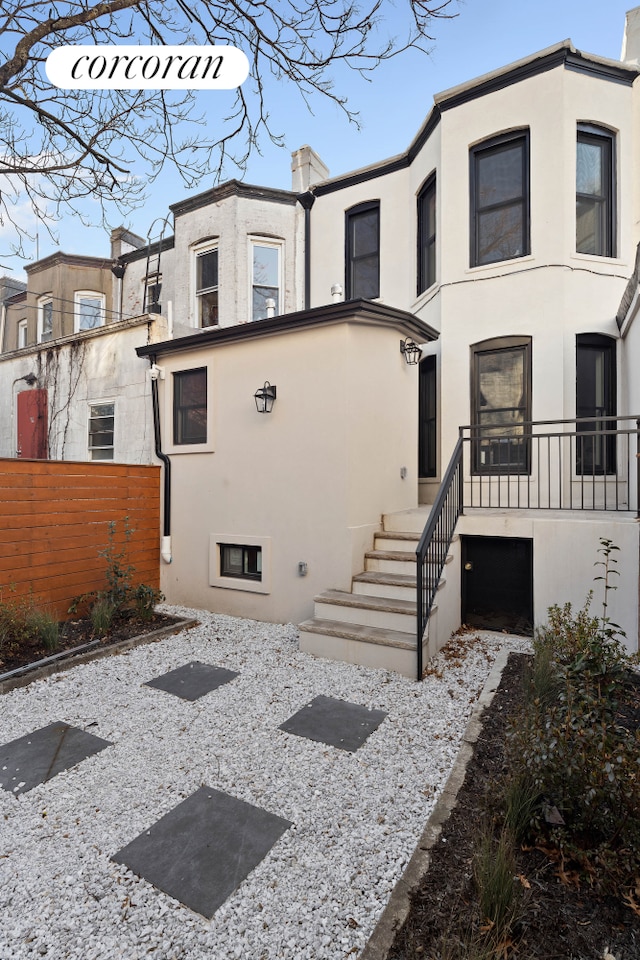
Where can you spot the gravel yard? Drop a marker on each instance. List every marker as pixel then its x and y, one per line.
pixel 355 817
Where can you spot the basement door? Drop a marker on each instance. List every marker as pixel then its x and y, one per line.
pixel 32 424
pixel 497 584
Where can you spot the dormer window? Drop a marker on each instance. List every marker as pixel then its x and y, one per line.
pixel 265 278
pixel 89 310
pixel 45 319
pixel 207 287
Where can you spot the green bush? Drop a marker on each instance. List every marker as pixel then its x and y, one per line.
pixel 571 748
pixel 120 598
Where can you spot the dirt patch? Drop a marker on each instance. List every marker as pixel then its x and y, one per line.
pixel 558 920
pixel 75 634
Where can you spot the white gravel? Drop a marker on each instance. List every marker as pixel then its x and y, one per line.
pixel 356 816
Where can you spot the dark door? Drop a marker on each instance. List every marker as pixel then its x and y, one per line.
pixel 427 418
pixel 595 398
pixel 497 583
pixel 32 424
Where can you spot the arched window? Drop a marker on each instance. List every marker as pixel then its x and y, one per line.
pixel 595 194
pixel 363 251
pixel 501 405
pixel 499 174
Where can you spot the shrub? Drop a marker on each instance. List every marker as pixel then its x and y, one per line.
pixel 570 746
pixel 120 597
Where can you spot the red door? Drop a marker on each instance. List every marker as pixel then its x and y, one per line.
pixel 32 424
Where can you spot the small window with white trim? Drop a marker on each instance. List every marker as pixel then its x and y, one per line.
pixel 45 319
pixel 89 310
pixel 22 334
pixel 101 430
pixel 265 278
pixel 207 287
pixel 238 561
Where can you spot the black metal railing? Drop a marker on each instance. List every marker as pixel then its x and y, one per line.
pixel 431 553
pixel 582 464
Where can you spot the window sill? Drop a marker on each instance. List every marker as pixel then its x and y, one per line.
pixel 501 265
pixel 601 261
pixel 426 296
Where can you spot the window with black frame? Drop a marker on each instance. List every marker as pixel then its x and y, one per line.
pixel 501 405
pixel 595 220
pixel 595 400
pixel 500 199
pixel 427 235
pixel 241 560
pixel 363 252
pixel 190 406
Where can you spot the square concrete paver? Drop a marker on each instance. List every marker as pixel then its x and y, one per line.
pixel 335 722
pixel 37 757
pixel 203 849
pixel 193 680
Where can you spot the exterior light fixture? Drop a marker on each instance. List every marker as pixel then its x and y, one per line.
pixel 264 397
pixel 411 351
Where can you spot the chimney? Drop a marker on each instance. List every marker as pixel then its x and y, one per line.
pixel 631 38
pixel 306 168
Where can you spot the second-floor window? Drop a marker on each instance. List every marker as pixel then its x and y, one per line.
pixel 45 319
pixel 89 310
pixel 265 278
pixel 101 430
pixel 190 406
pixel 427 235
pixel 207 287
pixel 595 219
pixel 22 334
pixel 500 199
pixel 363 251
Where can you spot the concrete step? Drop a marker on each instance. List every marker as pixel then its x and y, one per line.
pixel 372 611
pixel 407 521
pixel 353 643
pixel 390 561
pixel 396 540
pixel 396 586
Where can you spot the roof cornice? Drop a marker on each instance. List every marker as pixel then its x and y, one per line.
pixel 562 54
pixel 232 188
pixel 364 312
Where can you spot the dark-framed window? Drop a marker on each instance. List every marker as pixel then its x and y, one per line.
pixel 596 392
pixel 501 405
pixel 190 406
pixel 207 287
pixel 241 561
pixel 427 418
pixel 499 201
pixel 427 235
pixel 595 191
pixel 363 251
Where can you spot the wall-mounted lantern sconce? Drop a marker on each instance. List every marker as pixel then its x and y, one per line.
pixel 264 397
pixel 411 350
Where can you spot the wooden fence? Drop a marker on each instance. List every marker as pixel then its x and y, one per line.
pixel 54 518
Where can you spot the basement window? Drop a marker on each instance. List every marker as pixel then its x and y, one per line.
pixel 240 560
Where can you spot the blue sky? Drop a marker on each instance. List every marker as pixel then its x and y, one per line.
pixel 485 35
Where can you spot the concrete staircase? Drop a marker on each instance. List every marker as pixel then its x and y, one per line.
pixel 375 624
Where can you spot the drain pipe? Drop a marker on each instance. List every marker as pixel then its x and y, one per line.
pixel 306 201
pixel 165 543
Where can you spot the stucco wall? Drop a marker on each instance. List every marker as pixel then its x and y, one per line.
pixel 100 365
pixel 312 478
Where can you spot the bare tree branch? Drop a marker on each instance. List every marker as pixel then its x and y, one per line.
pixel 58 147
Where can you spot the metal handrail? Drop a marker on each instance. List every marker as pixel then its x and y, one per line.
pixel 432 550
